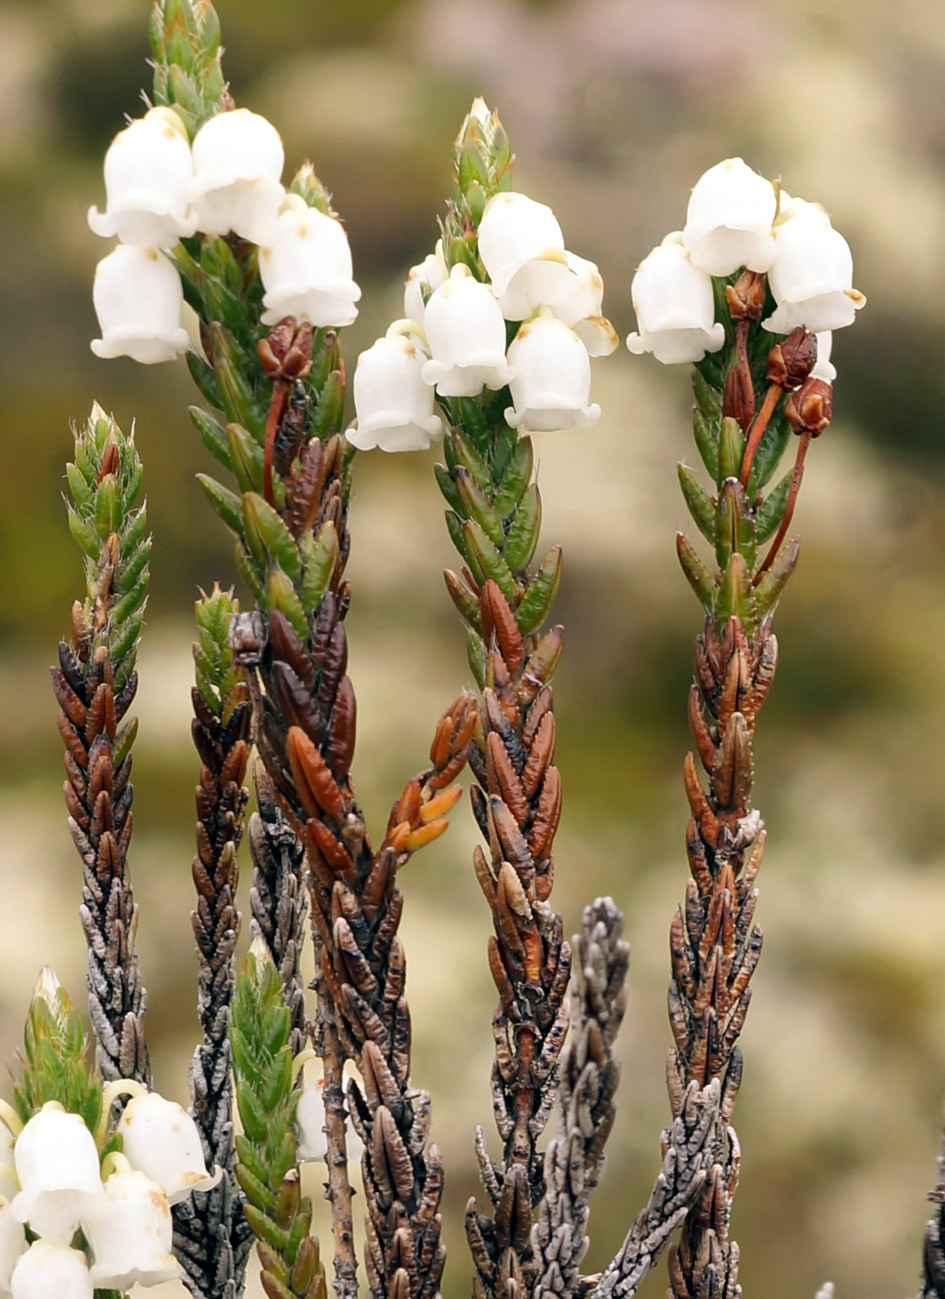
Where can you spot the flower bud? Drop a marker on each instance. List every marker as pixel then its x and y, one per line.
pixel 286 351
pixel 810 408
pixel 746 297
pixel 812 273
pixel 49 1271
pixel 791 360
pixel 522 249
pixel 738 397
pixel 466 335
pixel 429 275
pixel 130 1234
pixel 160 1138
pixel 306 268
pixel 728 222
pixel 551 382
pixel 12 1242
pixel 138 299
pixel 674 305
pixel 394 406
pixel 583 306
pixel 238 159
pixel 58 1168
pixel 148 175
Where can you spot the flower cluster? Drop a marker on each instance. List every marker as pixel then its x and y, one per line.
pixel 160 189
pixel 526 316
pixel 739 220
pixel 53 1181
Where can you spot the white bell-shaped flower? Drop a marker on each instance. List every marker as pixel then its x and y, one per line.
pixel 551 384
pixel 811 278
pixel 465 332
pixel 306 268
pixel 58 1168
pixel 823 367
pixel 238 160
pixel 522 248
pixel 674 305
pixel 8 1183
pixel 149 171
pixel 12 1242
pixel 310 1122
pixel 130 1234
pixel 394 407
pixel 429 275
pixel 50 1271
pixel 728 222
pixel 138 300
pixel 161 1139
pixel 583 307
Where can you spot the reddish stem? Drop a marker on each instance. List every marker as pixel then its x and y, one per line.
pixel 796 477
pixel 741 351
pixel 277 405
pixel 757 429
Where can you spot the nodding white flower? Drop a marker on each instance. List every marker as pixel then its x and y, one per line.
pixel 429 275
pixel 238 159
pixel 522 248
pixel 310 1120
pixel 12 1242
pixel 8 1184
pixel 130 1234
pixel 583 307
pixel 394 407
pixel 161 1139
pixel 49 1271
pixel 811 278
pixel 149 171
pixel 306 268
pixel 551 385
pixel 728 223
pixel 466 335
pixel 58 1168
pixel 138 300
pixel 823 368
pixel 674 305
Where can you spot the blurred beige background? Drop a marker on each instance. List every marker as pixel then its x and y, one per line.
pixel 614 108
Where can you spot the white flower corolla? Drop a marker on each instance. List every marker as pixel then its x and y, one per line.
pixel 465 332
pixel 551 384
pixel 238 160
pixel 161 1139
pixel 149 171
pixel 310 1120
pixel 522 248
pixel 429 275
pixel 306 268
pixel 728 222
pixel 823 368
pixel 582 308
pixel 130 1233
pixel 12 1242
pixel 674 305
pixel 138 299
pixel 394 407
pixel 8 1183
pixel 50 1271
pixel 58 1168
pixel 811 278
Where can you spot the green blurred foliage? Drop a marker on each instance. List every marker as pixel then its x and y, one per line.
pixel 614 107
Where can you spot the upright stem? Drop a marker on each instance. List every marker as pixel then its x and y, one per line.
pixel 757 429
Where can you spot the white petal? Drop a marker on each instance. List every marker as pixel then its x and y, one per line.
pixel 306 269
pixel 728 223
pixel 674 305
pixel 161 1139
pixel 138 300
pixel 395 411
pixel 148 177
pixel 552 378
pixel 514 230
pixel 465 330
pixel 57 1165
pixel 49 1271
pixel 238 160
pixel 130 1234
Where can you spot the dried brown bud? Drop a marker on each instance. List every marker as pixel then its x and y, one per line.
pixel 738 401
pixel 809 410
pixel 746 297
pixel 791 360
pixel 109 464
pixel 286 351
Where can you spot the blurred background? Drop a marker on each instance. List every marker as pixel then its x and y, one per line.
pixel 614 108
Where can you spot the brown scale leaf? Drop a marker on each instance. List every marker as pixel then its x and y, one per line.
pixel 540 753
pixel 547 815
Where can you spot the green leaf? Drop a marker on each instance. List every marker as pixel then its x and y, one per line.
pixel 771 510
pixel 485 560
pixel 768 456
pixel 212 435
pixel 476 657
pixel 204 377
pixel 536 603
pixel 271 534
pixel 281 595
pixel 329 409
pixel 84 536
pixel 735 529
pixel 464 600
pixel 320 557
pixel 130 602
pixel 248 573
pixel 515 477
pixel 454 526
pixel 132 566
pixel 476 505
pixel 446 485
pixel 699 577
pixel 522 539
pixel 708 401
pixel 246 457
pixel 769 588
pixel 731 449
pixel 735 597
pixel 469 458
pixel 82 493
pixel 700 503
pixel 707 443
pixel 252 1114
pixel 226 503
